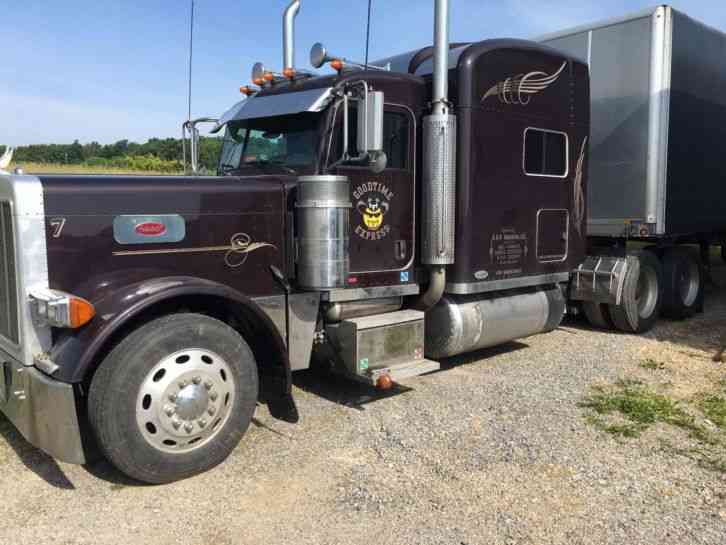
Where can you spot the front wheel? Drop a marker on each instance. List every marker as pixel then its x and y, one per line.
pixel 174 398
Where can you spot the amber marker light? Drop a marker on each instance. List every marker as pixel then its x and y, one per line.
pixel 246 90
pixel 337 64
pixel 384 382
pixel 258 81
pixel 289 73
pixel 269 77
pixel 80 312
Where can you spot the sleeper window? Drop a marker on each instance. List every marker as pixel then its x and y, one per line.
pixel 545 153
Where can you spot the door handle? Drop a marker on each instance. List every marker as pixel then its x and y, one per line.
pixel 401 249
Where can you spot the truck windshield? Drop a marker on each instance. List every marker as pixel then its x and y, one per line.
pixel 285 143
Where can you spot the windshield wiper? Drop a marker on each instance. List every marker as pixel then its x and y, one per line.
pixel 226 167
pixel 268 162
pixel 284 165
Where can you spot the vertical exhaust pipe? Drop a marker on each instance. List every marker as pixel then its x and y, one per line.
pixel 288 35
pixel 439 168
pixel 440 95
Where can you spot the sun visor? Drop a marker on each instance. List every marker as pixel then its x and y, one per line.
pixel 312 100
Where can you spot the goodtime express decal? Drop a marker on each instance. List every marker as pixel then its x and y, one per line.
pixel 373 202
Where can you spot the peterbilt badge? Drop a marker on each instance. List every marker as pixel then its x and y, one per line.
pixel 147 229
pixel 150 229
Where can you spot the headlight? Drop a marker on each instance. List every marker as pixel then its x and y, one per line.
pixel 59 309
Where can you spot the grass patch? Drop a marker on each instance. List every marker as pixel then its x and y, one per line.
pixel 714 407
pixel 652 365
pixel 628 408
pixel 633 402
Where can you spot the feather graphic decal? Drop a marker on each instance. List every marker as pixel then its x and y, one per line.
pixel 518 89
pixel 236 252
pixel 578 194
pixel 241 246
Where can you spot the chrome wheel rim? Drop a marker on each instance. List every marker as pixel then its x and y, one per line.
pixel 646 293
pixel 688 283
pixel 185 400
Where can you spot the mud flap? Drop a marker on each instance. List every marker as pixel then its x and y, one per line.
pixel 284 408
pixel 276 392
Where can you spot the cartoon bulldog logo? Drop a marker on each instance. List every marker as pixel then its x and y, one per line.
pixel 373 210
pixel 374 201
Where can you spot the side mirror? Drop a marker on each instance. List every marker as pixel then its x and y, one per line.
pixel 377 162
pixel 370 123
pixel 369 134
pixel 318 55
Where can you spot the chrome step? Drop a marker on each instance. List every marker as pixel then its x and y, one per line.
pixel 402 371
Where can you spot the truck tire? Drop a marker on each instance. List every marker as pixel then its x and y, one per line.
pixel 174 398
pixel 597 314
pixel 683 283
pixel 642 295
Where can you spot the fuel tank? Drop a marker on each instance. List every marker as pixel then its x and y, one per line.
pixel 323 223
pixel 459 324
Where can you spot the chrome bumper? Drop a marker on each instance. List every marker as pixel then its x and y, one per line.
pixel 42 409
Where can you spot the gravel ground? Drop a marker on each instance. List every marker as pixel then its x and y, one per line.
pixel 492 449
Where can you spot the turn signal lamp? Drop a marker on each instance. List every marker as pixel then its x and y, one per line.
pixel 59 309
pixel 246 90
pixel 337 64
pixel 268 77
pixel 289 73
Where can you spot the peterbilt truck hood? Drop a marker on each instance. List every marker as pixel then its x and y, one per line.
pixel 103 231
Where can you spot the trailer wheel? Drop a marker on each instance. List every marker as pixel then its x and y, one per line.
pixel 174 398
pixel 597 314
pixel 641 300
pixel 683 283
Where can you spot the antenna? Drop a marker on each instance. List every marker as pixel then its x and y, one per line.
pixel 368 32
pixel 191 51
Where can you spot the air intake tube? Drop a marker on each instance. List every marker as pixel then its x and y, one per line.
pixel 439 168
pixel 288 35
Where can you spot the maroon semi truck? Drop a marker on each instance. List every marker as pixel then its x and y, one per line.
pixel 370 221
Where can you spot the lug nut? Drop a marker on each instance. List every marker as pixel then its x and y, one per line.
pixel 211 410
pixel 188 427
pixel 213 396
pixel 202 423
pixel 176 423
pixel 183 384
pixel 169 410
pixel 208 385
pixel 197 380
pixel 172 398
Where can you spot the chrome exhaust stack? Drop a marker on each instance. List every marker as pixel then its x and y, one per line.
pixel 288 35
pixel 439 168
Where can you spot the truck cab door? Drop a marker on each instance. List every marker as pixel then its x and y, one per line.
pixel 382 219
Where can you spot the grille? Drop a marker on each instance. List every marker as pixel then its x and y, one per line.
pixel 8 287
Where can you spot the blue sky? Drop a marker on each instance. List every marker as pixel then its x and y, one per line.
pixel 111 69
